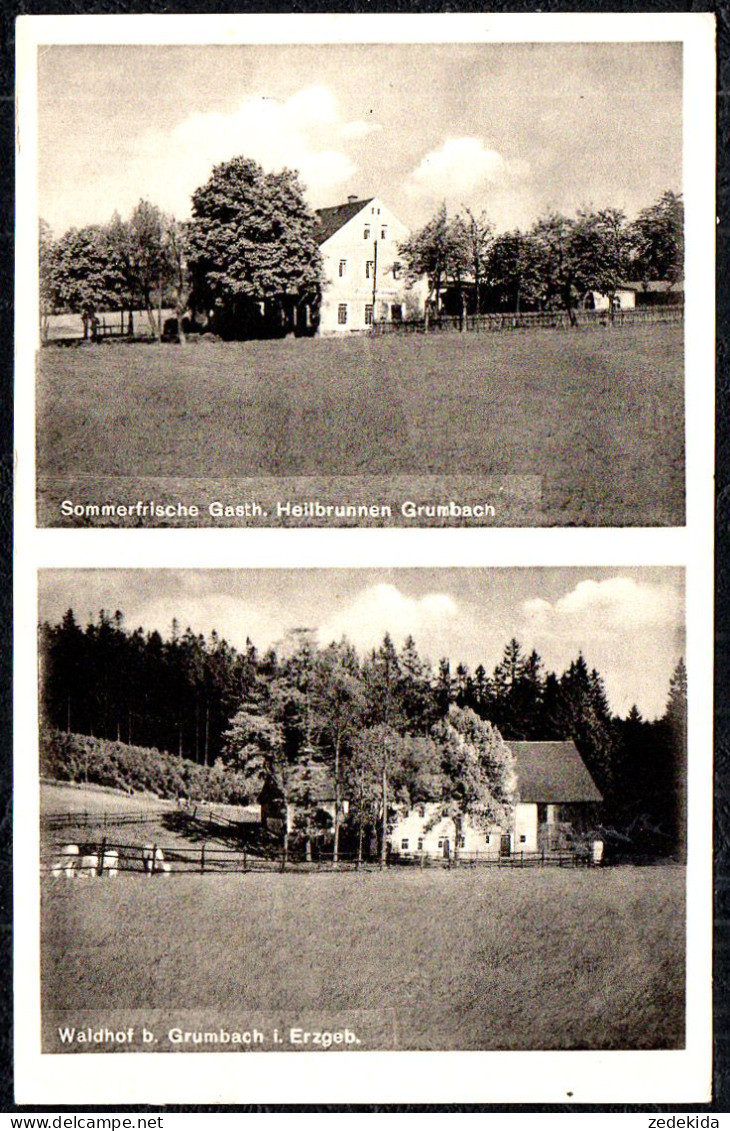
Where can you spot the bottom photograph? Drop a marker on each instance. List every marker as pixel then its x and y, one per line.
pixel 362 809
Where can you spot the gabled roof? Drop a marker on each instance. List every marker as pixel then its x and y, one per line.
pixel 332 219
pixel 552 772
pixel 321 788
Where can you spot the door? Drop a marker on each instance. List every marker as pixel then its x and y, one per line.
pixel 447 850
pixel 505 848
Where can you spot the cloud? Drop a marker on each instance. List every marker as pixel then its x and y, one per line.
pixel 306 132
pixel 461 168
pixel 616 605
pixel 383 608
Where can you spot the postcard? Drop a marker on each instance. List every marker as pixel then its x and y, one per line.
pixel 364 519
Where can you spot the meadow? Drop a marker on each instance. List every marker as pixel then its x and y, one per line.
pixel 596 414
pixel 545 959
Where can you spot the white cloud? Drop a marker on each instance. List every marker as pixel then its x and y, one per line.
pixel 462 167
pixel 383 608
pixel 306 132
pixel 616 605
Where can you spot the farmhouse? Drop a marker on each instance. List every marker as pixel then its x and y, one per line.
pixel 364 276
pixel 557 799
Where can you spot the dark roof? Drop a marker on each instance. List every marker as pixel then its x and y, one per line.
pixel 332 219
pixel 552 772
pixel 655 286
pixel 321 788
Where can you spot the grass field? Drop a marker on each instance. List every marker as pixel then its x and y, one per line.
pixel 560 959
pixel 598 415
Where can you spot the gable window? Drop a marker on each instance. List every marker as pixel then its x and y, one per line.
pixel 369 268
pixel 404 844
pixel 421 810
pixel 343 268
pixel 384 232
pixel 396 270
pixel 523 839
pixel 368 314
pixel 366 232
pixel 420 844
pixel 342 314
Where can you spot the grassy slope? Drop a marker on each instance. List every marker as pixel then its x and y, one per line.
pixel 548 959
pixel 65 798
pixel 60 798
pixel 599 414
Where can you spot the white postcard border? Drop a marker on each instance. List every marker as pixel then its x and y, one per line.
pixel 466 1077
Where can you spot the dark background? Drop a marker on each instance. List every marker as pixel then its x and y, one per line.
pixel 9 9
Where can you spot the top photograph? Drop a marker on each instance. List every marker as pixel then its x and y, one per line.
pixel 382 284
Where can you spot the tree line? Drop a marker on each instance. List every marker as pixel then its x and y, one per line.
pixel 373 729
pixel 553 264
pixel 248 262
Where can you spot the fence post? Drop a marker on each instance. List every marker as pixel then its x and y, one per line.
pixel 202 858
pixel 244 859
pixel 154 858
pixel 102 850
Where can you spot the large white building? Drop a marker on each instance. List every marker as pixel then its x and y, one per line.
pixel 364 273
pixel 556 794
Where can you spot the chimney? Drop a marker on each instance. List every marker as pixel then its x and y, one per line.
pixel 352 198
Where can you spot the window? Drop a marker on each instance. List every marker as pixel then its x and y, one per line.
pixel 366 232
pixel 441 843
pixel 369 268
pixel 368 314
pixel 343 268
pixel 404 844
pixel 396 270
pixel 384 232
pixel 342 314
pixel 420 844
pixel 462 842
pixel 523 839
pixel 421 810
pixel 396 312
pixel 488 839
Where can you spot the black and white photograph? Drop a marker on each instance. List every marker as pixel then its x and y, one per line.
pixel 360 284
pixel 383 753
pixel 405 809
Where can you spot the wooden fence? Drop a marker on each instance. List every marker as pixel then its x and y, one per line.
pixel 530 320
pixel 180 859
pixel 196 816
pixel 83 819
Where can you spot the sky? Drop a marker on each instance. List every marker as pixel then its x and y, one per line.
pixel 629 623
pixel 514 130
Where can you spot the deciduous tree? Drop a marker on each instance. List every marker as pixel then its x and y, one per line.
pixel 477 780
pixel 253 240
